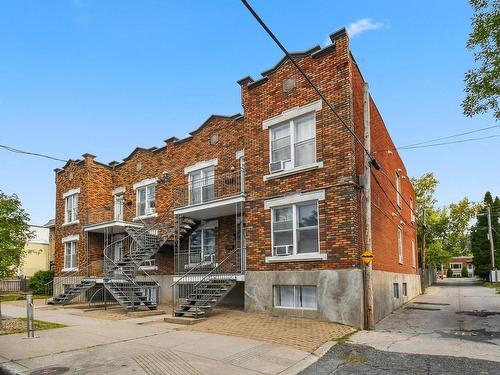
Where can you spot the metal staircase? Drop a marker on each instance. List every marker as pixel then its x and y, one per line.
pixel 195 295
pixel 131 285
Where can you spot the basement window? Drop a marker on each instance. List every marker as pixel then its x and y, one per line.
pixel 396 290
pixel 295 297
pixel 405 290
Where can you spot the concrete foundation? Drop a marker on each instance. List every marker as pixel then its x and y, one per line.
pixel 339 294
pixel 383 291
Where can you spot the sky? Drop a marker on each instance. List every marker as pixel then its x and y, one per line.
pixel 104 77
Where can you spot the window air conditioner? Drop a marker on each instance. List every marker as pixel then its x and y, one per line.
pixel 283 250
pixel 278 166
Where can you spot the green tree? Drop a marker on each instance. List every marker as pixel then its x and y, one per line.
pixel 14 232
pixel 480 244
pixel 482 83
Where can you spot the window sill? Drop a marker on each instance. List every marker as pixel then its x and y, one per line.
pixel 138 218
pixel 297 258
pixel 71 223
pixel 69 269
pixel 296 308
pixel 293 171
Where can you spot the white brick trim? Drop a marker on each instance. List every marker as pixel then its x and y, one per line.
pixel 71 192
pixel 73 237
pixel 292 113
pixel 201 165
pixel 146 182
pixel 318 195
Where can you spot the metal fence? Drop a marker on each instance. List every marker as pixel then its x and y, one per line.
pixel 14 285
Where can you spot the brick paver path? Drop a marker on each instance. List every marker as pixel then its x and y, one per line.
pixel 304 334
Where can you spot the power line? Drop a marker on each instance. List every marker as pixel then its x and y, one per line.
pixel 318 91
pixel 18 151
pixel 442 138
pixel 449 143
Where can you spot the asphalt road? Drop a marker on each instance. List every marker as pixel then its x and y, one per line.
pixel 454 328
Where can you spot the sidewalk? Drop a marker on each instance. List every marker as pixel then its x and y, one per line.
pixel 140 345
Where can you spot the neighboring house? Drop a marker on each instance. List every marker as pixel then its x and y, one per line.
pixel 262 210
pixel 51 225
pixel 457 263
pixel 37 256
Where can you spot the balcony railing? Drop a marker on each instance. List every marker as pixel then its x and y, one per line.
pixel 207 189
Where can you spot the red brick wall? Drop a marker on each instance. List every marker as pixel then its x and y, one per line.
pixel 386 216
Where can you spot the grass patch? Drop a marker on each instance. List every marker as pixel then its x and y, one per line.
pixel 19 297
pixel 18 325
pixel 345 339
pixel 352 357
pixel 488 284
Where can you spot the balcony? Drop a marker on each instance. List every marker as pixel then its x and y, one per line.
pixel 107 219
pixel 210 196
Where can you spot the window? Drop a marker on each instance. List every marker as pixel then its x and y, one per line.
pixel 70 261
pixel 412 212
pixel 396 290
pixel 400 245
pixel 151 294
pixel 71 213
pixel 413 254
pixel 119 207
pixel 146 200
pixel 295 296
pixel 398 189
pixel 295 229
pixel 293 143
pixel 149 263
pixel 405 290
pixel 456 266
pixel 201 185
pixel 202 246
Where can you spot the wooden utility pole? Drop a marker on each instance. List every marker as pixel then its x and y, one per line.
pixel 370 320
pixel 490 237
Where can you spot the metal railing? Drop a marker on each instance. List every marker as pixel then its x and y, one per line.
pixel 207 189
pixel 191 283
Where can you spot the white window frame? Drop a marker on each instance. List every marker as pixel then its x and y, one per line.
pixel 203 172
pixel 71 217
pixel 400 244
pixel 73 254
pixel 296 290
pixel 458 268
pixel 210 225
pixel 148 211
pixel 413 254
pixel 295 228
pixel 291 124
pixel 398 189
pixel 118 207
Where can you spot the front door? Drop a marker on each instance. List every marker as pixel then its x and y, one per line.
pixel 202 246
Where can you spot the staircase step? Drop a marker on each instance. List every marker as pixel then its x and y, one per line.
pixel 189 313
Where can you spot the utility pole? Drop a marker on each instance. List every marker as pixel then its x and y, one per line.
pixel 424 271
pixel 370 320
pixel 490 237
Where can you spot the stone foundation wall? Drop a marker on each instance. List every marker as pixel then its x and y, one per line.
pixel 383 291
pixel 339 294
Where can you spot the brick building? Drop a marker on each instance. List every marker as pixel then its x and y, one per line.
pixel 262 210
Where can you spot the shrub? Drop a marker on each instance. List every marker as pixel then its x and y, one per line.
pixel 39 279
pixel 465 273
pixel 449 272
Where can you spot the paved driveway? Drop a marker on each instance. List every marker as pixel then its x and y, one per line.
pixel 92 345
pixel 446 320
pixel 455 318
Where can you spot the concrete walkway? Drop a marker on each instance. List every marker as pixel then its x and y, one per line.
pixel 142 346
pixel 443 321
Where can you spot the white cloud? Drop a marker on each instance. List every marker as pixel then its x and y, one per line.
pixel 363 25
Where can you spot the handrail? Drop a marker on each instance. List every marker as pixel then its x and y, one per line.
pixel 216 268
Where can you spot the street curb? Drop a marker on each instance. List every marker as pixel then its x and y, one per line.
pixel 12 368
pixel 309 359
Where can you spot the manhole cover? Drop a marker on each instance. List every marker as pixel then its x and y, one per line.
pixel 480 313
pixel 51 371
